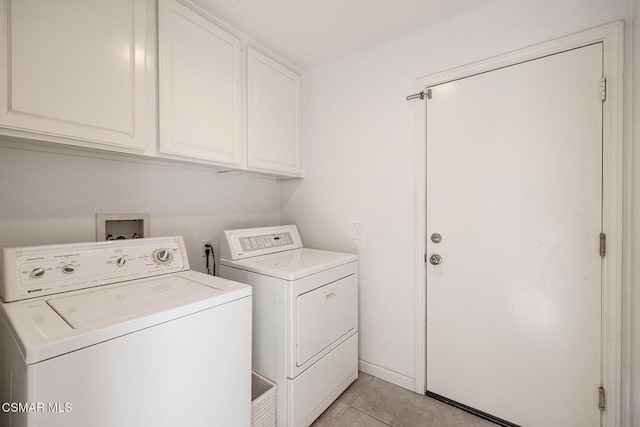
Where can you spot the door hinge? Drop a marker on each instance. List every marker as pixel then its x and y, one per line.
pixel 602 399
pixel 603 89
pixel 603 244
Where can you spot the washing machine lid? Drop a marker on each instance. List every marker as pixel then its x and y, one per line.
pixel 293 264
pixel 101 307
pixel 50 326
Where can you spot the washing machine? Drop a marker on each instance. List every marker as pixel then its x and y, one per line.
pixel 305 316
pixel 121 333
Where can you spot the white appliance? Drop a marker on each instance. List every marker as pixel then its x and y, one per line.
pixel 305 316
pixel 121 333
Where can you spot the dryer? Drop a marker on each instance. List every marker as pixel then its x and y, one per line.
pixel 305 316
pixel 121 333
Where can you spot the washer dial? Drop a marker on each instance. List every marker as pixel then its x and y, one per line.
pixel 37 272
pixel 68 269
pixel 121 261
pixel 162 256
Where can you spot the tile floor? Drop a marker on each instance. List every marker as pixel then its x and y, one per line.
pixel 372 402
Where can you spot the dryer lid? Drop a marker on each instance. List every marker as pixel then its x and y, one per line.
pixel 293 264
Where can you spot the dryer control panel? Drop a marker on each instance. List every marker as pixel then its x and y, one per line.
pixel 44 270
pixel 250 242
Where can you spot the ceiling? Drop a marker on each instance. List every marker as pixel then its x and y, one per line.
pixel 309 33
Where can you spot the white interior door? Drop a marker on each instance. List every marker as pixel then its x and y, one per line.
pixel 514 187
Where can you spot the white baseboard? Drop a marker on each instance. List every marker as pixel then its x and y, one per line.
pixel 387 375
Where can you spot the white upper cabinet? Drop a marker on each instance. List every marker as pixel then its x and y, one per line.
pixel 200 86
pixel 74 71
pixel 273 108
pixel 84 73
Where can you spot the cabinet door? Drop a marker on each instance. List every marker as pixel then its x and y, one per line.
pixel 273 116
pixel 200 86
pixel 74 70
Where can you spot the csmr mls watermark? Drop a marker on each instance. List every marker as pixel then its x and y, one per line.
pixel 36 407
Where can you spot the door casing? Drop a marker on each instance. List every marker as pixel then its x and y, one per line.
pixel 611 35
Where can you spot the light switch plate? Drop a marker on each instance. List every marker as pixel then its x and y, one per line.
pixel 357 231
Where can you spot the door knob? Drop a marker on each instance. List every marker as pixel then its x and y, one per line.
pixel 435 259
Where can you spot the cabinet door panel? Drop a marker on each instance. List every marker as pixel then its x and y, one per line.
pixel 200 70
pixel 273 116
pixel 75 69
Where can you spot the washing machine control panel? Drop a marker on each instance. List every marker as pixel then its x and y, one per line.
pixel 45 270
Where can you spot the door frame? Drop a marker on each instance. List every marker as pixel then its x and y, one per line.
pixel 611 35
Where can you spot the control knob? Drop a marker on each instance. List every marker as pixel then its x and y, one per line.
pixel 120 261
pixel 68 269
pixel 162 256
pixel 37 272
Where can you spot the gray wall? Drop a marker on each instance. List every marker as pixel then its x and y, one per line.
pixel 48 198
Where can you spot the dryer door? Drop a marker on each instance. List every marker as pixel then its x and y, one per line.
pixel 324 315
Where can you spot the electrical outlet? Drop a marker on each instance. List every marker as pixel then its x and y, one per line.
pixel 203 245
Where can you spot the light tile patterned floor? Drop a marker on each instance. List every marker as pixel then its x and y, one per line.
pixel 372 402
